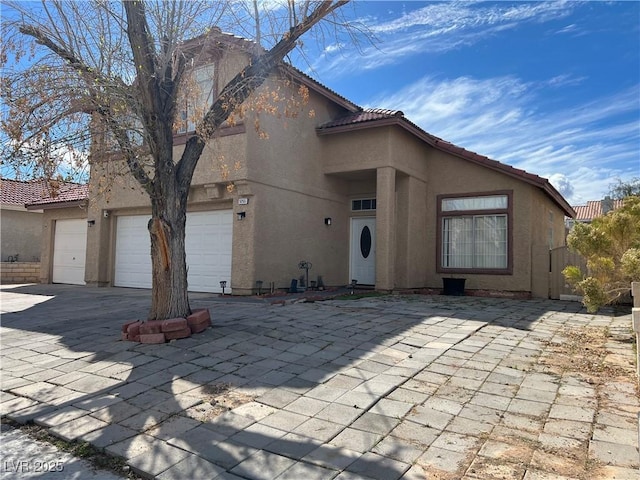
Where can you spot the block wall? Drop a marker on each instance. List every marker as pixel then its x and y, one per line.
pixel 20 272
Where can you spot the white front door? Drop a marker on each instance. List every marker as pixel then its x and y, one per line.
pixel 363 250
pixel 69 251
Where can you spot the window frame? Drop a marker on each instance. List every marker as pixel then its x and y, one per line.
pixel 441 215
pixel 210 73
pixel 372 204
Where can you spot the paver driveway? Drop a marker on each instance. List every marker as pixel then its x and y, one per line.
pixel 388 387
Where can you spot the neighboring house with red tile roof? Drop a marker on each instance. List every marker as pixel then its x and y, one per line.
pixel 22 225
pixel 21 230
pixel 596 208
pixel 362 194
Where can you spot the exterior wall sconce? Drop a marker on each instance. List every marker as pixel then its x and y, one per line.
pixel 242 215
pixel 327 221
pixel 223 285
pixel 91 223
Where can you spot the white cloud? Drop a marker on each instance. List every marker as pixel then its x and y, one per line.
pixel 334 47
pixel 448 16
pixel 582 148
pixel 436 28
pixel 568 29
pixel 562 183
pixel 564 80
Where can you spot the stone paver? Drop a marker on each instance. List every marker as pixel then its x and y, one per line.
pixel 379 388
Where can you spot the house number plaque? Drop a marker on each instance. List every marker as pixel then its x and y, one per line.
pixel 243 201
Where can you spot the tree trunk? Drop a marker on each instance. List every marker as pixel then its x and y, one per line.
pixel 168 258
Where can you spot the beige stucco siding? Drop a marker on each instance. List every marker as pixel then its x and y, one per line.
pixel 97 266
pixel 223 160
pixel 407 153
pixel 357 151
pixel 412 257
pixel 21 235
pixel 288 153
pixel 289 228
pixel 232 61
pixel 289 199
pixel 449 175
pixel 547 232
pixel 113 187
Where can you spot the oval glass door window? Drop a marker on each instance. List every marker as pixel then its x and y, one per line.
pixel 365 242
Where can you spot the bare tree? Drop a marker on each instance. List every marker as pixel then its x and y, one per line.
pixel 622 189
pixel 119 69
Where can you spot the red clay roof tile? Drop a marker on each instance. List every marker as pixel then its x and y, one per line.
pixel 40 192
pixel 367 115
pixel 593 209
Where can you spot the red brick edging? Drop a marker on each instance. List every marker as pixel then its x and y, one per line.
pixel 161 331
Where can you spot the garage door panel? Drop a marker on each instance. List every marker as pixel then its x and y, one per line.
pixel 69 251
pixel 208 247
pixel 133 252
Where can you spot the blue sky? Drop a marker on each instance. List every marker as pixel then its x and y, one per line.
pixel 549 87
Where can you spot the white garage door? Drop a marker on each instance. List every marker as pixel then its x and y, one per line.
pixel 208 248
pixel 208 245
pixel 69 251
pixel 133 252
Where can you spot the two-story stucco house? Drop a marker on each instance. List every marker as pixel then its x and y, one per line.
pixel 360 194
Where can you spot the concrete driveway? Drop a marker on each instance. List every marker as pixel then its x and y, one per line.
pixel 389 387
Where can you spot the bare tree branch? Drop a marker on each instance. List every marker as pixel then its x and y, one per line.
pixel 93 79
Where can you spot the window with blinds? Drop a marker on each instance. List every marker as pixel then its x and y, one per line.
pixel 474 233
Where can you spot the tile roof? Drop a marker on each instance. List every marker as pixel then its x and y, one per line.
pixel 15 192
pixel 363 116
pixel 379 117
pixel 593 209
pixel 40 192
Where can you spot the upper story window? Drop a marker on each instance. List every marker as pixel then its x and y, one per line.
pixel 197 98
pixel 363 204
pixel 474 233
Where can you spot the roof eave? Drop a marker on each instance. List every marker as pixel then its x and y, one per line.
pixel 52 205
pixel 321 89
pixel 380 122
pixel 12 206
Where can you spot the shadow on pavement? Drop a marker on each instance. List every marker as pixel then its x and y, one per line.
pixel 269 391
